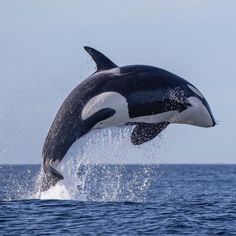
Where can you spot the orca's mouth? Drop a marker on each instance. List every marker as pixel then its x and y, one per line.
pixel 210 113
pixel 213 121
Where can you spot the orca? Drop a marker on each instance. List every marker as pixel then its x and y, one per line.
pixel 146 97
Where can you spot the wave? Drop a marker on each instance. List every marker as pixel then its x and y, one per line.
pixel 99 167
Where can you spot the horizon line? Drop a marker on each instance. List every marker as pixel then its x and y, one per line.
pixel 210 163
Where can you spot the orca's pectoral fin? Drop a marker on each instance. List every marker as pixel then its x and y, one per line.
pixel 144 132
pixel 102 62
pixel 50 178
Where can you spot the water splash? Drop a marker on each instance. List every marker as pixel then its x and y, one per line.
pixel 57 192
pixel 19 183
pixel 98 168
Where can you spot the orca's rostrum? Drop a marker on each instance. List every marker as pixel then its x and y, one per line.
pixel 147 97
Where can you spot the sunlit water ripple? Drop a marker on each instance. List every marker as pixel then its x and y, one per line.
pixel 143 199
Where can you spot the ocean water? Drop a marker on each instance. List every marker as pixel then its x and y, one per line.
pixel 121 200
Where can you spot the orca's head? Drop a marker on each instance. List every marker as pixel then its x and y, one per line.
pixel 198 112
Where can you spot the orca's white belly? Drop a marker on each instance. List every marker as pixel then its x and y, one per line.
pixel 118 103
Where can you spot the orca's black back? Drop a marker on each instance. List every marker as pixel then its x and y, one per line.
pixel 140 85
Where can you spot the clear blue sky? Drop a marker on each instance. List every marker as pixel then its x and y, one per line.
pixel 42 60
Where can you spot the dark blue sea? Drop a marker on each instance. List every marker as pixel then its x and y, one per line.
pixel 121 200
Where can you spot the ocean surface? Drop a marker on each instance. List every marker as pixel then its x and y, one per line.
pixel 121 200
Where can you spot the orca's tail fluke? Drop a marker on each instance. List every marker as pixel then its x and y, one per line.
pixel 50 178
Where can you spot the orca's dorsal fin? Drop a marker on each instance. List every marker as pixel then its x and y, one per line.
pixel 102 62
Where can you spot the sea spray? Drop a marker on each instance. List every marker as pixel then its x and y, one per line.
pixel 98 167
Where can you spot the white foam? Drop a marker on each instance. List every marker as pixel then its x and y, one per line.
pixel 105 146
pixel 56 192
